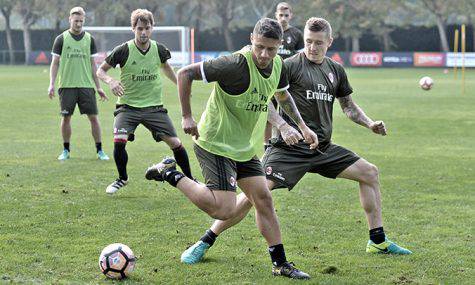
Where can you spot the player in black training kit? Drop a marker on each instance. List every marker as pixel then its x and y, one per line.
pixel 292 43
pixel 315 81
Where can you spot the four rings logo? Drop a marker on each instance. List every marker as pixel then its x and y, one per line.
pixel 366 58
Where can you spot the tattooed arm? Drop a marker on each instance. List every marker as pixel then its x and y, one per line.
pixel 289 134
pixel 356 114
pixel 288 105
pixel 185 77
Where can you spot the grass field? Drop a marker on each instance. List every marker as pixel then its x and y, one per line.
pixel 55 218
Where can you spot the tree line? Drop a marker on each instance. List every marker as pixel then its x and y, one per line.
pixel 350 19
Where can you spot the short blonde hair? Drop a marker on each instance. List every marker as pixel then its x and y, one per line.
pixel 143 15
pixel 284 6
pixel 77 11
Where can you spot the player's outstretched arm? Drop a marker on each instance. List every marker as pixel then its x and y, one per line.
pixel 169 72
pixel 185 77
pixel 53 72
pixel 286 102
pixel 289 134
pixel 357 115
pixel 100 91
pixel 115 85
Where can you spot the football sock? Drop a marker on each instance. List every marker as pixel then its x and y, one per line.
pixel 277 254
pixel 209 237
pixel 181 157
pixel 98 147
pixel 66 146
pixel 120 158
pixel 173 176
pixel 377 235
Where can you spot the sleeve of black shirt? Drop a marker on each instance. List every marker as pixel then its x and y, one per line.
pixel 221 68
pixel 163 53
pixel 344 87
pixel 93 46
pixel 284 80
pixel 58 45
pixel 118 55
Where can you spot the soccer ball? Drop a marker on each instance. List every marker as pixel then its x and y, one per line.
pixel 117 261
pixel 426 83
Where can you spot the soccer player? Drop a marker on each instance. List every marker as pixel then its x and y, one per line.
pixel 139 93
pixel 73 53
pixel 293 37
pixel 291 44
pixel 315 82
pixel 230 132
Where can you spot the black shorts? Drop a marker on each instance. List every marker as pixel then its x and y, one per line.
pixel 154 118
pixel 286 165
pixel 85 98
pixel 222 173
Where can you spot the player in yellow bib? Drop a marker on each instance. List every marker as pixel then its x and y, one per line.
pixel 139 93
pixel 230 133
pixel 74 65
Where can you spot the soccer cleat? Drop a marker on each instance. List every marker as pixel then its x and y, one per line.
pixel 115 186
pixel 101 155
pixel 64 155
pixel 157 171
pixel 387 247
pixel 195 253
pixel 288 270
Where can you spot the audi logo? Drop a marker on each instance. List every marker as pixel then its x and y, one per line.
pixel 366 59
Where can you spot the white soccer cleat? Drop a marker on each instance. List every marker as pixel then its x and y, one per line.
pixel 116 185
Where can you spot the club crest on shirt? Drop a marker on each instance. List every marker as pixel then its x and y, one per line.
pixel 331 77
pixel 268 170
pixel 289 39
pixel 232 181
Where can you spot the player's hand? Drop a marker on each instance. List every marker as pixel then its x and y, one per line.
pixel 51 91
pixel 190 127
pixel 290 135
pixel 378 127
pixel 117 87
pixel 310 137
pixel 102 95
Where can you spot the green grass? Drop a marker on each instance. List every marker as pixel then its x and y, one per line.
pixel 55 218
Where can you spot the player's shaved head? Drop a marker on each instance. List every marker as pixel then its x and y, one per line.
pixel 315 24
pixel 144 15
pixel 268 28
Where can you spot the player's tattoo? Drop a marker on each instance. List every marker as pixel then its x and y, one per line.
pixel 273 116
pixel 286 102
pixel 192 72
pixel 353 111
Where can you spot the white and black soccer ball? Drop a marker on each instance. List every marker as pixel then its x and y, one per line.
pixel 426 83
pixel 117 261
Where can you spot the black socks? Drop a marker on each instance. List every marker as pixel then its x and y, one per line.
pixel 277 254
pixel 377 235
pixel 120 157
pixel 209 237
pixel 66 146
pixel 98 147
pixel 181 157
pixel 173 176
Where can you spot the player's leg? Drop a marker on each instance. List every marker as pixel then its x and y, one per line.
pixel 259 195
pixel 275 161
pixel 162 129
pixel 217 198
pixel 125 122
pixel 87 104
pixel 367 175
pixel 67 99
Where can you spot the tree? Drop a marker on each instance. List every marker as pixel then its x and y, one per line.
pixel 263 8
pixel 30 11
pixel 6 7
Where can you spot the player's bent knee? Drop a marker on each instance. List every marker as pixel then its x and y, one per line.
pixel 224 213
pixel 371 173
pixel 120 139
